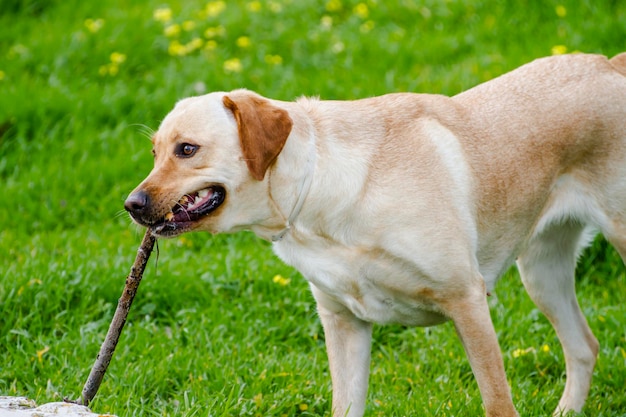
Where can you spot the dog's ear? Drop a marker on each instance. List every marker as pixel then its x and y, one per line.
pixel 263 130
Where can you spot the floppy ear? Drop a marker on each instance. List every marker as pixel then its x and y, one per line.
pixel 263 130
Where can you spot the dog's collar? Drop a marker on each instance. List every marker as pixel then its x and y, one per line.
pixel 303 190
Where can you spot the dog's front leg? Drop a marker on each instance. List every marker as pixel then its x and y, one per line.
pixel 348 344
pixel 473 324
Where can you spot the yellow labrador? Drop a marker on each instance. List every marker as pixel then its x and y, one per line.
pixel 407 208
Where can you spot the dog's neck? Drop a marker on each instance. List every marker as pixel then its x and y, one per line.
pixel 304 186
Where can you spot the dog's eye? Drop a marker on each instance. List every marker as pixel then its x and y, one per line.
pixel 185 150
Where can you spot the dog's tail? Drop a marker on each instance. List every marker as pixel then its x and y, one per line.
pixel 619 63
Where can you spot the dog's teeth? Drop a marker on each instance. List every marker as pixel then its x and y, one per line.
pixel 169 216
pixel 184 200
pixel 203 193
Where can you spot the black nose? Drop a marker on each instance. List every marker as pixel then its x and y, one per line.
pixel 136 202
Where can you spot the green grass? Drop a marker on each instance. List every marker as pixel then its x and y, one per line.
pixel 211 333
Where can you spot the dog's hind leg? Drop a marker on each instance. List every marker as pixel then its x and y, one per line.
pixel 547 268
pixel 617 238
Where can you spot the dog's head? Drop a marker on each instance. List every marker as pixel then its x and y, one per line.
pixel 211 155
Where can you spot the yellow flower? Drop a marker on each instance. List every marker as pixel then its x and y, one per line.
pixel 163 14
pixel 172 31
pixel 94 25
pixel 189 25
pixel 521 352
pixel 280 280
pixel 334 5
pixel 113 69
pixel 233 65
pixel 561 11
pixel 215 31
pixel 559 49
pixel 275 7
pixel 195 43
pixel 214 8
pixel 361 10
pixel 303 407
pixel 243 42
pixel 254 6
pixel 176 48
pixel 210 45
pixel 545 348
pixel 117 58
pixel 326 22
pixel 273 59
pixel 518 352
pixel 35 281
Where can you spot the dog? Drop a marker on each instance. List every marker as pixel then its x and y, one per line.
pixel 406 208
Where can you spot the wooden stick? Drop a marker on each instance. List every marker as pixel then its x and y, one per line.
pixel 119 319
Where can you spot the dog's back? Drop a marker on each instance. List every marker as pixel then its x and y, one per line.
pixel 556 121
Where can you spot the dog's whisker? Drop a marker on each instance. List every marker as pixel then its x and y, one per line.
pixel 144 130
pixel 120 213
pixel 178 205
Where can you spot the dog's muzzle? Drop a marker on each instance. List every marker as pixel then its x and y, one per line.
pixel 181 216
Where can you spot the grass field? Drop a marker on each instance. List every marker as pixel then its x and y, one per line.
pixel 220 327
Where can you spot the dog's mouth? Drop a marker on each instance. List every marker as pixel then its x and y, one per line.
pixel 189 209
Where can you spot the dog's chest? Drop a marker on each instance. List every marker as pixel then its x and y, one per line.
pixel 374 286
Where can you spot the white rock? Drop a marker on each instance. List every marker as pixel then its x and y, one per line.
pixel 23 407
